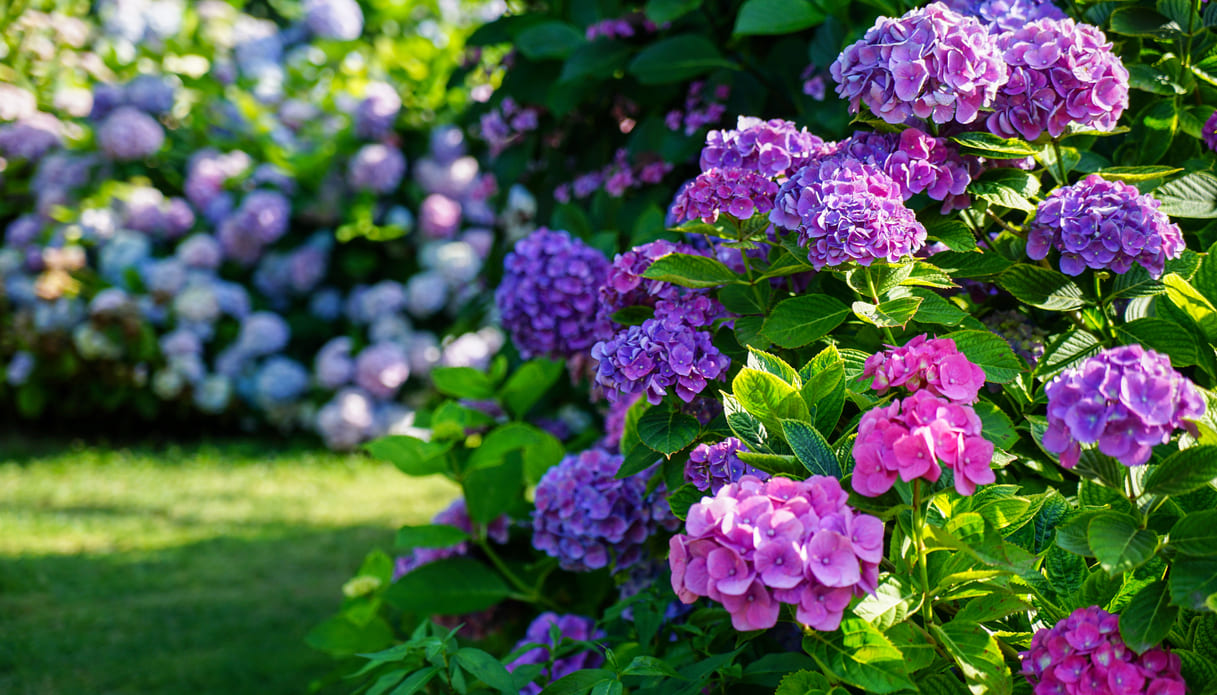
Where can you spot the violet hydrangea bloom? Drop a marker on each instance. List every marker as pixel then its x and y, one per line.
pixel 1210 132
pixel 737 192
pixel 770 148
pixel 624 285
pixel 1084 653
pixel 1126 399
pixel 909 438
pixel 711 466
pixel 547 300
pixel 381 369
pixel 933 364
pixel 755 545
pixel 574 627
pixel 334 19
pixel 661 355
pixel 376 112
pixel 1006 15
pixel 128 134
pixel 930 63
pixel 1061 73
pixel 1104 224
pixel 376 168
pixel 588 518
pixel 845 210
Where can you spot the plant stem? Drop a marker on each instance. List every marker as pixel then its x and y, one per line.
pixel 870 282
pixel 1060 160
pixel 919 520
pixel 1017 231
pixel 526 593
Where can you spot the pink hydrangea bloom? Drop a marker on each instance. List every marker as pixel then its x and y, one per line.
pixel 933 364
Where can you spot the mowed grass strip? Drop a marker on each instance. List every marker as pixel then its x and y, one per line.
pixel 184 569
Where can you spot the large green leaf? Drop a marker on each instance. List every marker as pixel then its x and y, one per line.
pixel 824 387
pixel 664 11
pixel 528 384
pixel 768 398
pixel 1042 287
pixel 595 60
pixel 1193 583
pixel 668 430
pixel 1183 471
pixel 978 656
pixel 860 655
pixel 1119 544
pixel 1162 336
pixel 676 59
pixel 487 669
pixel 1195 534
pixel 688 270
pixel 991 352
pixel 991 146
pixel 495 490
pixel 811 448
pixel 462 382
pixel 411 455
pixel 552 39
pixel 894 600
pixel 801 320
pixel 452 586
pixel 1193 195
pixel 1148 617
pixel 776 17
pixel 888 314
pixel 429 536
pixel 1183 295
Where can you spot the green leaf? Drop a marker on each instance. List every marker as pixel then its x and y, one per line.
pixel 650 666
pixel 1137 174
pixel 528 384
pixel 1155 129
pixel 341 637
pixel 937 311
pixel 1118 544
pixel 801 320
pixel 765 362
pixel 1183 13
pixel 1142 21
pixel 667 430
pixel 540 449
pixel 768 398
pixel 1042 287
pixel 595 60
pixel 487 669
pixel 1193 583
pixel 989 607
pixel 888 314
pixel 811 448
pixel 970 264
pixel 993 147
pixel 676 59
pixel 952 232
pixel 494 490
pixel 1162 336
pixel 688 270
pixel 411 455
pixel 1193 195
pixel 996 425
pixel 893 602
pixel 991 352
pixel 462 382
pixel 1000 193
pixel 824 387
pixel 683 497
pixel 1148 617
pixel 547 40
pixel 1193 303
pixel 1195 534
pixel 860 655
pixel 1066 350
pixel 664 11
pixel 452 586
pixel 978 657
pixel 579 682
pixel 429 536
pixel 776 17
pixel 803 683
pixel 1183 471
pixel 640 458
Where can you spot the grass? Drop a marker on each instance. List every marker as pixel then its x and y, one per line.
pixel 176 570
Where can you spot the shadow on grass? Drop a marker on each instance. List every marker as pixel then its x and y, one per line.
pixel 225 616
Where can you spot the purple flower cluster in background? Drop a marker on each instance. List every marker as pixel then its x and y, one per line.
pixel 740 193
pixel 455 514
pixel 933 364
pixel 376 168
pixel 589 519
pixel 1084 653
pixel 505 126
pixel 548 297
pixel 341 20
pixel 1006 15
pixel 1025 338
pixel 755 545
pixel 701 108
pixel 932 63
pixel 1125 399
pixel 128 134
pixel 772 148
pixel 1061 74
pixel 573 627
pixel 711 466
pixel 626 172
pixel 845 210
pixel 624 27
pixel 1104 224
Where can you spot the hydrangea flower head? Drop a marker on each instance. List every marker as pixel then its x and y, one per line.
pixel 930 63
pixel 334 19
pixel 711 466
pixel 588 518
pixel 1061 73
pixel 737 192
pixel 1084 653
pixel 1125 400
pixel 845 210
pixel 376 168
pixel 909 438
pixel 1104 224
pixel 933 364
pixel 376 112
pixel 1210 132
pixel 1006 15
pixel 658 356
pixel 574 627
pixel 547 300
pixel 128 134
pixel 770 148
pixel 757 544
pixel 625 286
pixel 381 369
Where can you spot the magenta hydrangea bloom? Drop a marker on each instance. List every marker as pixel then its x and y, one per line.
pixel 737 192
pixel 770 148
pixel 933 364
pixel 846 210
pixel 1061 73
pixel 1084 653
pixel 1210 132
pixel 909 439
pixel 757 544
pixel 661 355
pixel 548 298
pixel 916 161
pixel 1126 399
pixel 711 466
pixel 589 519
pixel 1006 15
pixel 1104 224
pixel 574 627
pixel 624 285
pixel 455 514
pixel 930 63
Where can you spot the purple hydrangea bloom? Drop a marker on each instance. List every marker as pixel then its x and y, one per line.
pixel 334 19
pixel 455 514
pixel 346 420
pixel 376 168
pixel 128 134
pixel 1061 74
pixel 381 369
pixel 1025 338
pixel 200 251
pixel 711 466
pixel 333 366
pixel 737 192
pixel 439 217
pixel 574 627
pixel 152 94
pixel 930 63
pixel 1006 15
pixel 1104 224
pixel 19 368
pixel 1125 400
pixel 660 355
pixel 1085 653
pixel 376 112
pixel 1210 132
pixel 770 148
pixel 588 518
pixel 280 381
pixel 263 333
pixel 547 300
pixel 755 545
pixel 624 285
pixel 847 211
pixel 208 173
pixel 32 137
pixel 614 422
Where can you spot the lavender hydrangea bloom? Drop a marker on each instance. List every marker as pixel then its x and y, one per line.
pixel 847 211
pixel 439 216
pixel 588 518
pixel 263 333
pixel 128 134
pixel 381 369
pixel 280 381
pixel 1210 132
pixel 930 63
pixel 770 148
pixel 1006 15
pixel 19 368
pixel 333 365
pixel 152 94
pixel 32 137
pixel 547 300
pixel 376 168
pixel 624 285
pixel 1061 74
pixel 658 356
pixel 737 192
pixel 334 19
pixel 1104 224
pixel 346 420
pixel 375 114
pixel 1126 399
pixel 574 627
pixel 711 466
pixel 208 173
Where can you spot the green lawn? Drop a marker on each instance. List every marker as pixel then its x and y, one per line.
pixel 181 570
